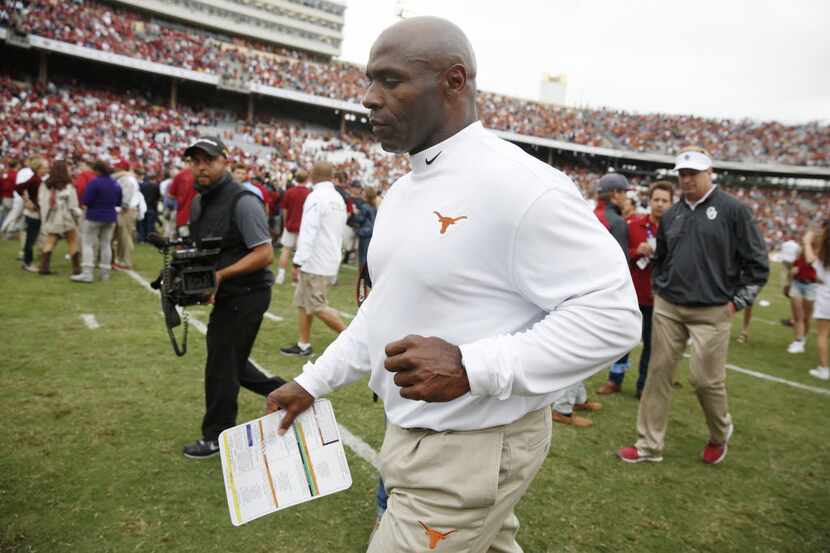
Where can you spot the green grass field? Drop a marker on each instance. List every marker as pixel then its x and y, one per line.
pixel 93 422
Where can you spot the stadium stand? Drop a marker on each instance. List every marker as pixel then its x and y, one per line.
pixel 45 121
pixel 245 62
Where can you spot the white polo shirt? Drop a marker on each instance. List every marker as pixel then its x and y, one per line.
pixel 490 249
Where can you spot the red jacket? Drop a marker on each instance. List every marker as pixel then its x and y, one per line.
pixel 292 203
pixel 182 189
pixel 266 197
pixel 82 180
pixel 638 231
pixel 7 182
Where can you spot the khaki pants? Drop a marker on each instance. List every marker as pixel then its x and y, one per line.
pixel 455 491
pixel 124 229
pixel 672 326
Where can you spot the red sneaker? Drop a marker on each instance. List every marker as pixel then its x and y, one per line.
pixel 715 453
pixel 634 455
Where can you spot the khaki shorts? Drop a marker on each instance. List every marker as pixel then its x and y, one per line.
pixel 310 294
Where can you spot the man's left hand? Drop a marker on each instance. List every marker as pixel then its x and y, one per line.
pixel 730 307
pixel 427 369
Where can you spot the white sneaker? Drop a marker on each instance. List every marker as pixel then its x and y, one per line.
pixel 797 346
pixel 822 373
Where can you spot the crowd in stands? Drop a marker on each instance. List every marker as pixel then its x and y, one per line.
pixel 77 124
pixel 73 123
pixel 69 122
pixel 104 27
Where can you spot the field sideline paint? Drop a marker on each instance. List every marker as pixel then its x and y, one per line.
pixel 90 321
pixel 769 377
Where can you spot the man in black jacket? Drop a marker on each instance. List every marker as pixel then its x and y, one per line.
pixel 710 262
pixel 223 208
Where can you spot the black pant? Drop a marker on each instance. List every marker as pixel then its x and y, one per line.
pixel 645 355
pixel 146 225
pixel 617 378
pixel 232 329
pixel 32 230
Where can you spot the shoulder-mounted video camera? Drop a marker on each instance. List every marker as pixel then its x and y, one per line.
pixel 187 277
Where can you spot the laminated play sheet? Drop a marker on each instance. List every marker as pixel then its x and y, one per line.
pixel 265 472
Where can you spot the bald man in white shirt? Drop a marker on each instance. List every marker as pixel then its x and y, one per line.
pixel 494 288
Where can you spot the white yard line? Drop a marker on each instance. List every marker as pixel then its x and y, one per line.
pixel 765 321
pixel 358 446
pixel 769 377
pixel 763 376
pixel 346 314
pixel 90 321
pixel 776 323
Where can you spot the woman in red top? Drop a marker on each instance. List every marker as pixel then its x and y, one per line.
pixel 802 296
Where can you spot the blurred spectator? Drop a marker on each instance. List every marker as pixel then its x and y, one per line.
pixel 127 215
pixel 7 182
pixel 182 190
pixel 292 209
pixel 149 188
pixel 59 215
pixel 365 223
pixel 28 184
pixel 101 197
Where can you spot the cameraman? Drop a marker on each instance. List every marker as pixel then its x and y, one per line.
pixel 223 208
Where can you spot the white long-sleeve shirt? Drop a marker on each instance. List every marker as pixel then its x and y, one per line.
pixel 129 188
pixel 523 277
pixel 321 232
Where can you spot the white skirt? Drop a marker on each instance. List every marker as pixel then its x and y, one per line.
pixel 821 309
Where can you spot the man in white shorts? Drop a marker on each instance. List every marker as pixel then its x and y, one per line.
pixel 318 257
pixel 292 215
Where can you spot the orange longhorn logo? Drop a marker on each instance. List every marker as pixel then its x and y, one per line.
pixel 447 221
pixel 434 535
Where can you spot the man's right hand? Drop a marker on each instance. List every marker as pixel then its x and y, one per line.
pixel 645 250
pixel 291 398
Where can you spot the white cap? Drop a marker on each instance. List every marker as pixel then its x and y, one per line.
pixel 24 175
pixel 692 160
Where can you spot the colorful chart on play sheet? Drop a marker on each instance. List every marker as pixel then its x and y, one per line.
pixel 265 472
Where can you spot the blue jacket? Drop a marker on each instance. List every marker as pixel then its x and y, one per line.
pixel 364 220
pixel 101 196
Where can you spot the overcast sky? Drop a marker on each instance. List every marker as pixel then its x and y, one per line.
pixel 727 58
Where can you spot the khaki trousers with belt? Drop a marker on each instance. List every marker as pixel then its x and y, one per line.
pixel 124 236
pixel 455 491
pixel 672 326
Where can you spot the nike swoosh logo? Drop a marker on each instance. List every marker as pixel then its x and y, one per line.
pixel 429 161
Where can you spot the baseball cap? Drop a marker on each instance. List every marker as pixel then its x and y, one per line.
pixel 122 165
pixel 611 182
pixel 24 175
pixel 211 145
pixel 697 161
